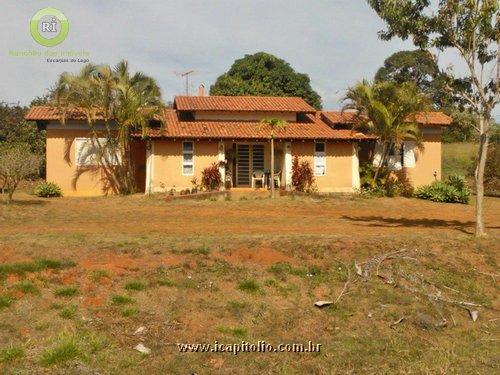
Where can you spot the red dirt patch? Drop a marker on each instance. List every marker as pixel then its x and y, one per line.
pixel 12 278
pixel 93 301
pixel 118 264
pixel 258 255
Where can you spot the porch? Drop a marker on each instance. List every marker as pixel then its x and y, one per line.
pixel 248 164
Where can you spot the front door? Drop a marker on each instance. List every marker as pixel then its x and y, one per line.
pixel 250 157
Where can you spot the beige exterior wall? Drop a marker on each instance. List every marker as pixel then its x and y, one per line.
pixel 167 163
pixel 339 159
pixel 61 167
pixel 243 116
pixel 427 161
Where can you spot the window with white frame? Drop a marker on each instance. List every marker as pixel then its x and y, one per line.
pixel 319 159
pixel 88 152
pixel 188 158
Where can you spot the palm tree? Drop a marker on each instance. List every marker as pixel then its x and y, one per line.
pixel 274 124
pixel 123 102
pixel 388 110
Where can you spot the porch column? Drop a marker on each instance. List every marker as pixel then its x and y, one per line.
pixel 287 167
pixel 222 158
pixel 149 167
pixel 356 184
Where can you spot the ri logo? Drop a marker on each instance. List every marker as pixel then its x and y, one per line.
pixel 49 27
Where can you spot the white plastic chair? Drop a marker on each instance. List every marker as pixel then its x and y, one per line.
pixel 277 178
pixel 258 175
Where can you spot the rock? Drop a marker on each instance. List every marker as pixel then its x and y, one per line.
pixel 474 315
pixel 140 331
pixel 142 349
pixel 321 304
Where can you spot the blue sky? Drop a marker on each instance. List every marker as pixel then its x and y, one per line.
pixel 334 41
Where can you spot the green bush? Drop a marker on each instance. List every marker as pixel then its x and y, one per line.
pixel 47 190
pixel 452 190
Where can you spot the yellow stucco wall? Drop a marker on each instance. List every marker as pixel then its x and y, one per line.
pixel 427 161
pixel 338 177
pixel 167 163
pixel 61 167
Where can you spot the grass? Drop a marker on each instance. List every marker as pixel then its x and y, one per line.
pixel 135 285
pixel 268 262
pixel 249 285
pixel 5 302
pixel 457 158
pixel 22 268
pixel 11 354
pixel 129 312
pixel 97 275
pixel 65 350
pixel 239 332
pixel 118 299
pixel 27 287
pixel 68 291
pixel 68 312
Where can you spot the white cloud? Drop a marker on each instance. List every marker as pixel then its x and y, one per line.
pixel 335 42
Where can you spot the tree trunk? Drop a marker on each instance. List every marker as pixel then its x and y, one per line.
pixel 479 175
pixel 272 168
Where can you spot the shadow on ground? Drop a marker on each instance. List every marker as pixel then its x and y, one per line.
pixel 386 222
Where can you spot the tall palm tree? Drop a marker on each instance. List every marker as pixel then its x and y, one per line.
pixel 388 110
pixel 123 102
pixel 274 125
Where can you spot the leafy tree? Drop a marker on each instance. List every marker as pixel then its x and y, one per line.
pixel 122 101
pixel 17 163
pixel 421 68
pixel 274 124
pixel 266 75
pixel 387 110
pixel 470 28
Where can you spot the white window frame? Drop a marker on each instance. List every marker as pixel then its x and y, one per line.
pixel 80 144
pixel 184 163
pixel 320 156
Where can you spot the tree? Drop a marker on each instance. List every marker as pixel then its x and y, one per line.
pixel 388 110
pixel 17 163
pixel 266 75
pixel 472 29
pixel 122 102
pixel 274 124
pixel 421 68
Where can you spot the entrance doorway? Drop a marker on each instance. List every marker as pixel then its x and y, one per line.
pixel 250 157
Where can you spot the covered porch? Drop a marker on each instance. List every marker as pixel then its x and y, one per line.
pixel 247 164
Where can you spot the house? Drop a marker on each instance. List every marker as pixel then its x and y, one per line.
pixel 201 130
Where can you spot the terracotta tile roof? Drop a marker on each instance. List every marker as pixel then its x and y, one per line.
pixel 39 113
pixel 242 103
pixel 433 118
pixel 424 118
pixel 311 128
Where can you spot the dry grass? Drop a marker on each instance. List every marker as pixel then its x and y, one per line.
pixel 251 270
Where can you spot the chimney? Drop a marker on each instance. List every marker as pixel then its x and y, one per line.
pixel 201 90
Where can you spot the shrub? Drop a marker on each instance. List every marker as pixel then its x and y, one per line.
pixel 47 190
pixel 17 163
pixel 302 175
pixel 211 178
pixel 388 184
pixel 453 190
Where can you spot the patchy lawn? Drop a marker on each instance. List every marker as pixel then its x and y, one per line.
pixel 79 276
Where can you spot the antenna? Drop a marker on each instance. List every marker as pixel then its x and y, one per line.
pixel 186 75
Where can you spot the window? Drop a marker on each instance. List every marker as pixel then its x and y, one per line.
pixel 87 153
pixel 319 159
pixel 188 158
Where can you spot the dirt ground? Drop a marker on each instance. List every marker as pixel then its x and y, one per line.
pixel 247 269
